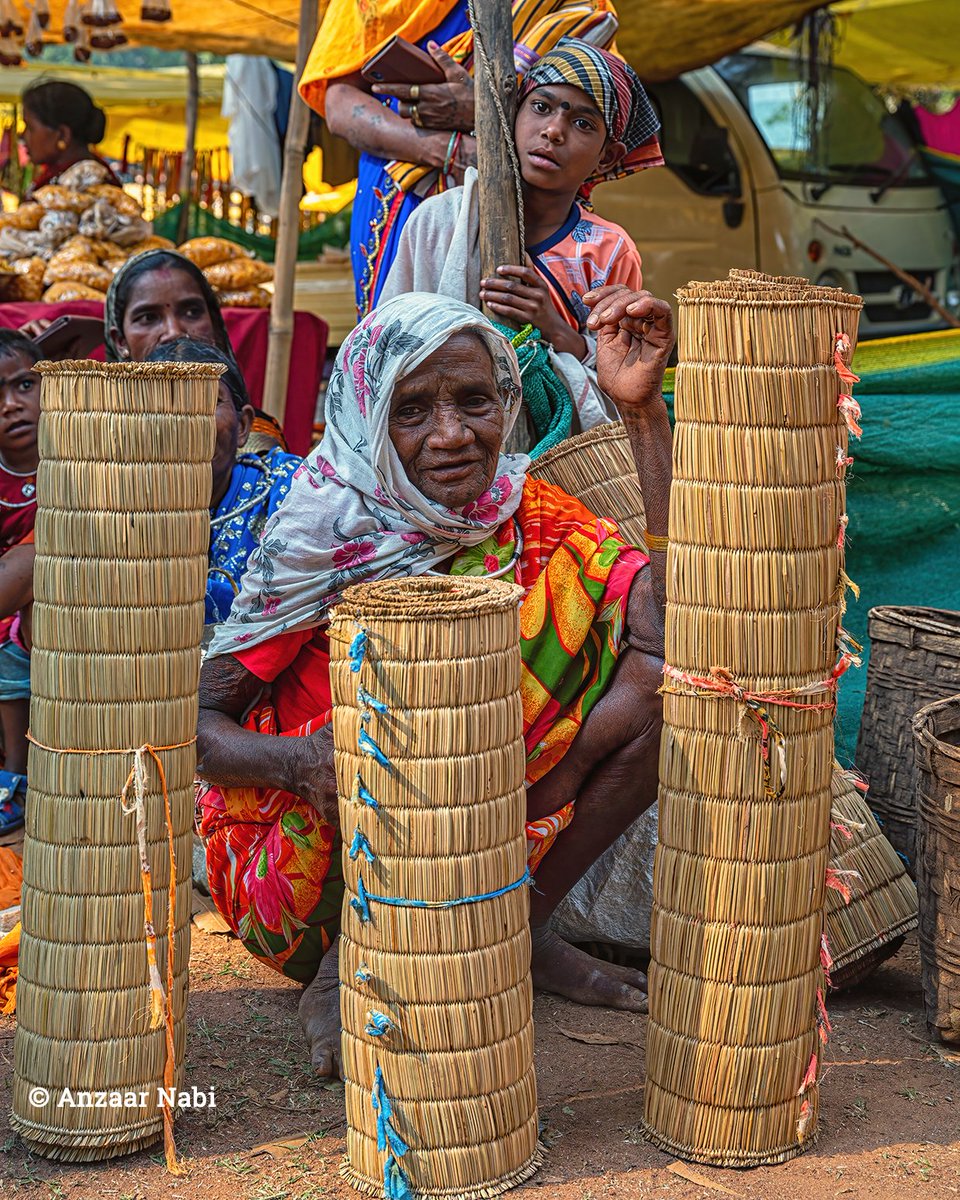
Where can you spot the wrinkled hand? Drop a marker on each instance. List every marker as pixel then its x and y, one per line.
pixel 634 340
pixel 314 777
pixel 446 105
pixel 520 295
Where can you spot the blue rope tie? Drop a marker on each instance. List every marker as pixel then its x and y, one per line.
pixel 367 745
pixel 362 973
pixel 360 845
pixel 360 793
pixel 358 650
pixel 378 1024
pixel 363 899
pixel 369 703
pixel 359 902
pixel 396 1185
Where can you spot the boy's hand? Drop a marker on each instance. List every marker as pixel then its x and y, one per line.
pixel 520 295
pixel 447 106
pixel 634 340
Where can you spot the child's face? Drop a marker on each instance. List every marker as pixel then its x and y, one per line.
pixel 561 138
pixel 19 402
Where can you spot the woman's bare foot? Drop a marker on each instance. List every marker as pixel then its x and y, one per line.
pixel 319 1012
pixel 563 969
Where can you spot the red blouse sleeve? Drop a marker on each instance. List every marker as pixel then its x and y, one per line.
pixel 269 658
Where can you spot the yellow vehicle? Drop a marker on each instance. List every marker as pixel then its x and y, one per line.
pixel 746 186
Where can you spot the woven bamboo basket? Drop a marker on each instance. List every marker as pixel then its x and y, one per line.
pixel 755 593
pixel 914 660
pixel 937 733
pixel 873 903
pixel 436 998
pixel 122 533
pixel 598 468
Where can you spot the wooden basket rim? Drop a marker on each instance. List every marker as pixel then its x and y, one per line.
pixel 120 370
pixel 446 597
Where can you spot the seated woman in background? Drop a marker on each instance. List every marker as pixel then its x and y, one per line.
pixel 60 123
pixel 246 489
pixel 412 478
pixel 158 296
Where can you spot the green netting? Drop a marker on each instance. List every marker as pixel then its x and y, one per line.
pixel 546 398
pixel 335 232
pixel 903 491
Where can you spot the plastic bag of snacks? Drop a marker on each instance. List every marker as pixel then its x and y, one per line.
pixel 30 272
pixel 205 251
pixel 65 289
pixel 103 221
pixel 58 226
pixel 78 270
pixel 255 297
pixel 57 198
pixel 22 243
pixel 84 175
pixel 239 274
pixel 27 216
pixel 120 200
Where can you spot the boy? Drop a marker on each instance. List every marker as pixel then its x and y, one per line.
pixel 583 118
pixel 19 414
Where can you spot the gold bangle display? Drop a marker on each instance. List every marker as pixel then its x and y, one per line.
pixel 656 543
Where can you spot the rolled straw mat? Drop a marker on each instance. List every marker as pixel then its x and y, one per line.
pixel 753 652
pixel 121 535
pixel 435 950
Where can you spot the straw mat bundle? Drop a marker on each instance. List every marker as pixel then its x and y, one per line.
pixel 914 661
pixel 435 991
pixel 873 903
pixel 755 592
pixel 122 529
pixel 936 730
pixel 598 468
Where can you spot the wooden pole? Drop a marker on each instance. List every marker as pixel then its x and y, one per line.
pixel 189 160
pixel 495 77
pixel 288 229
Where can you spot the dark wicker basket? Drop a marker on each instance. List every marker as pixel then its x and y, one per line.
pixel 914 660
pixel 936 731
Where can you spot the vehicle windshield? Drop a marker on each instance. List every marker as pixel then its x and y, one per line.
pixel 859 141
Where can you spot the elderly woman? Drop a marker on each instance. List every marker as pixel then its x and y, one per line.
pixel 411 478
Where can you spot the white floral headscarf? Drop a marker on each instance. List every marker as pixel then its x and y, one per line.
pixel 352 514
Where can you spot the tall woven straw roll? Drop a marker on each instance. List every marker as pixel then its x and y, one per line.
pixel 755 591
pixel 436 997
pixel 122 533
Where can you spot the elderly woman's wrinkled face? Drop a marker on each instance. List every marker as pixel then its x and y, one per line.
pixel 447 420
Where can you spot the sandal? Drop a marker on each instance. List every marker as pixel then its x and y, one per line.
pixel 13 795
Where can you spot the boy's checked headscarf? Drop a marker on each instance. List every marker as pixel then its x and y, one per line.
pixel 615 89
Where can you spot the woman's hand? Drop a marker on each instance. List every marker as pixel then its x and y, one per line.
pixel 446 105
pixel 634 340
pixel 313 777
pixel 520 295
pixel 35 327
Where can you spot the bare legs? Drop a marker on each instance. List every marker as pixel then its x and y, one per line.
pixel 319 1013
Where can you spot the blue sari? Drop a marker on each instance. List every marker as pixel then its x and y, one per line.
pixel 258 484
pixel 379 213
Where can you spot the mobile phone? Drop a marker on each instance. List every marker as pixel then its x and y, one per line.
pixel 401 62
pixel 70 337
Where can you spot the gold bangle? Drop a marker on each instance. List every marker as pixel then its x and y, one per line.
pixel 656 543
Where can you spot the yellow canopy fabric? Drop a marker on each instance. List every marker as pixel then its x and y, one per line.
pixel 900 42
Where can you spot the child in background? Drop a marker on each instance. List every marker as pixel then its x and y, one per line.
pixel 583 118
pixel 19 414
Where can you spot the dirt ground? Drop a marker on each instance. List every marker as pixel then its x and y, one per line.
pixel 890 1106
